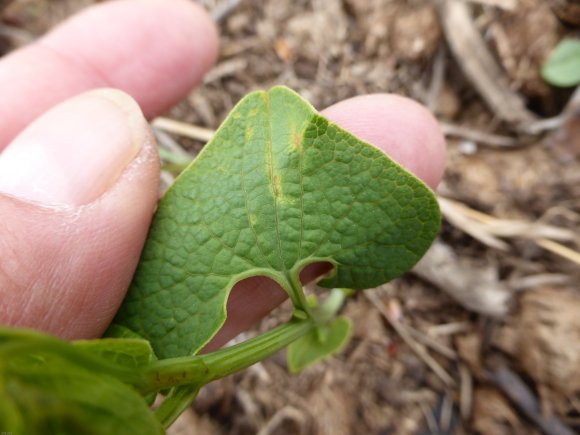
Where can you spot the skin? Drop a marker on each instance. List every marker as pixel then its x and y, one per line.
pixel 65 268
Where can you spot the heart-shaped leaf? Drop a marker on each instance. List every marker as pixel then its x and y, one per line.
pixel 278 187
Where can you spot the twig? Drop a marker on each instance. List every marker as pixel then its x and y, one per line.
pixel 407 338
pixel 543 125
pixel 465 392
pixel 560 250
pixel 508 227
pixel 539 280
pixel 479 137
pixel 429 418
pixel 433 344
pixel 487 229
pixel 183 129
pixel 457 217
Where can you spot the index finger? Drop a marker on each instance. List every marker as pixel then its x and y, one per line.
pixel 155 50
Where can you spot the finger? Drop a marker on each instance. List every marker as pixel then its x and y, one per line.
pixel 400 127
pixel 155 50
pixel 78 190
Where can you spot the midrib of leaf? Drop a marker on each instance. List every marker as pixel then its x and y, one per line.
pixel 275 194
pixel 293 285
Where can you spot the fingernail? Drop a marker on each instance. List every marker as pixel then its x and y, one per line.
pixel 76 151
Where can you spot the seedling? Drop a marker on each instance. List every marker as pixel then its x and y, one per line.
pixel 278 188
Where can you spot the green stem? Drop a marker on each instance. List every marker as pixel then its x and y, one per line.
pixel 230 360
pixel 188 374
pixel 175 403
pixel 201 369
pixel 297 295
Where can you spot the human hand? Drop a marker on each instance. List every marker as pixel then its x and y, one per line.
pixel 79 184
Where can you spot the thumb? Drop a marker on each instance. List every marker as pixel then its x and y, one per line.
pixel 78 188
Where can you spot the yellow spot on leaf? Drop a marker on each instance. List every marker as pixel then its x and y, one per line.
pixel 296 140
pixel 249 133
pixel 276 186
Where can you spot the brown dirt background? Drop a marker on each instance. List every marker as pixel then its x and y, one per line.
pixel 334 49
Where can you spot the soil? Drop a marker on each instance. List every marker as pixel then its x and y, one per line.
pixel 461 371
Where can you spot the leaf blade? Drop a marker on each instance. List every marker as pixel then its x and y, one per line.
pixel 50 386
pixel 278 187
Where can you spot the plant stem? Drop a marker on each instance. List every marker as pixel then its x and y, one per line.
pixel 297 295
pixel 175 403
pixel 201 369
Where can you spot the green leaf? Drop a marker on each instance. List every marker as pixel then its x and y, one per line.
pixel 563 65
pixel 49 386
pixel 130 353
pixel 278 187
pixel 126 352
pixel 61 398
pixel 324 341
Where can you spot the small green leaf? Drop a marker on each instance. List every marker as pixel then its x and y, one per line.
pixel 126 352
pixel 318 344
pixel 563 65
pixel 277 188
